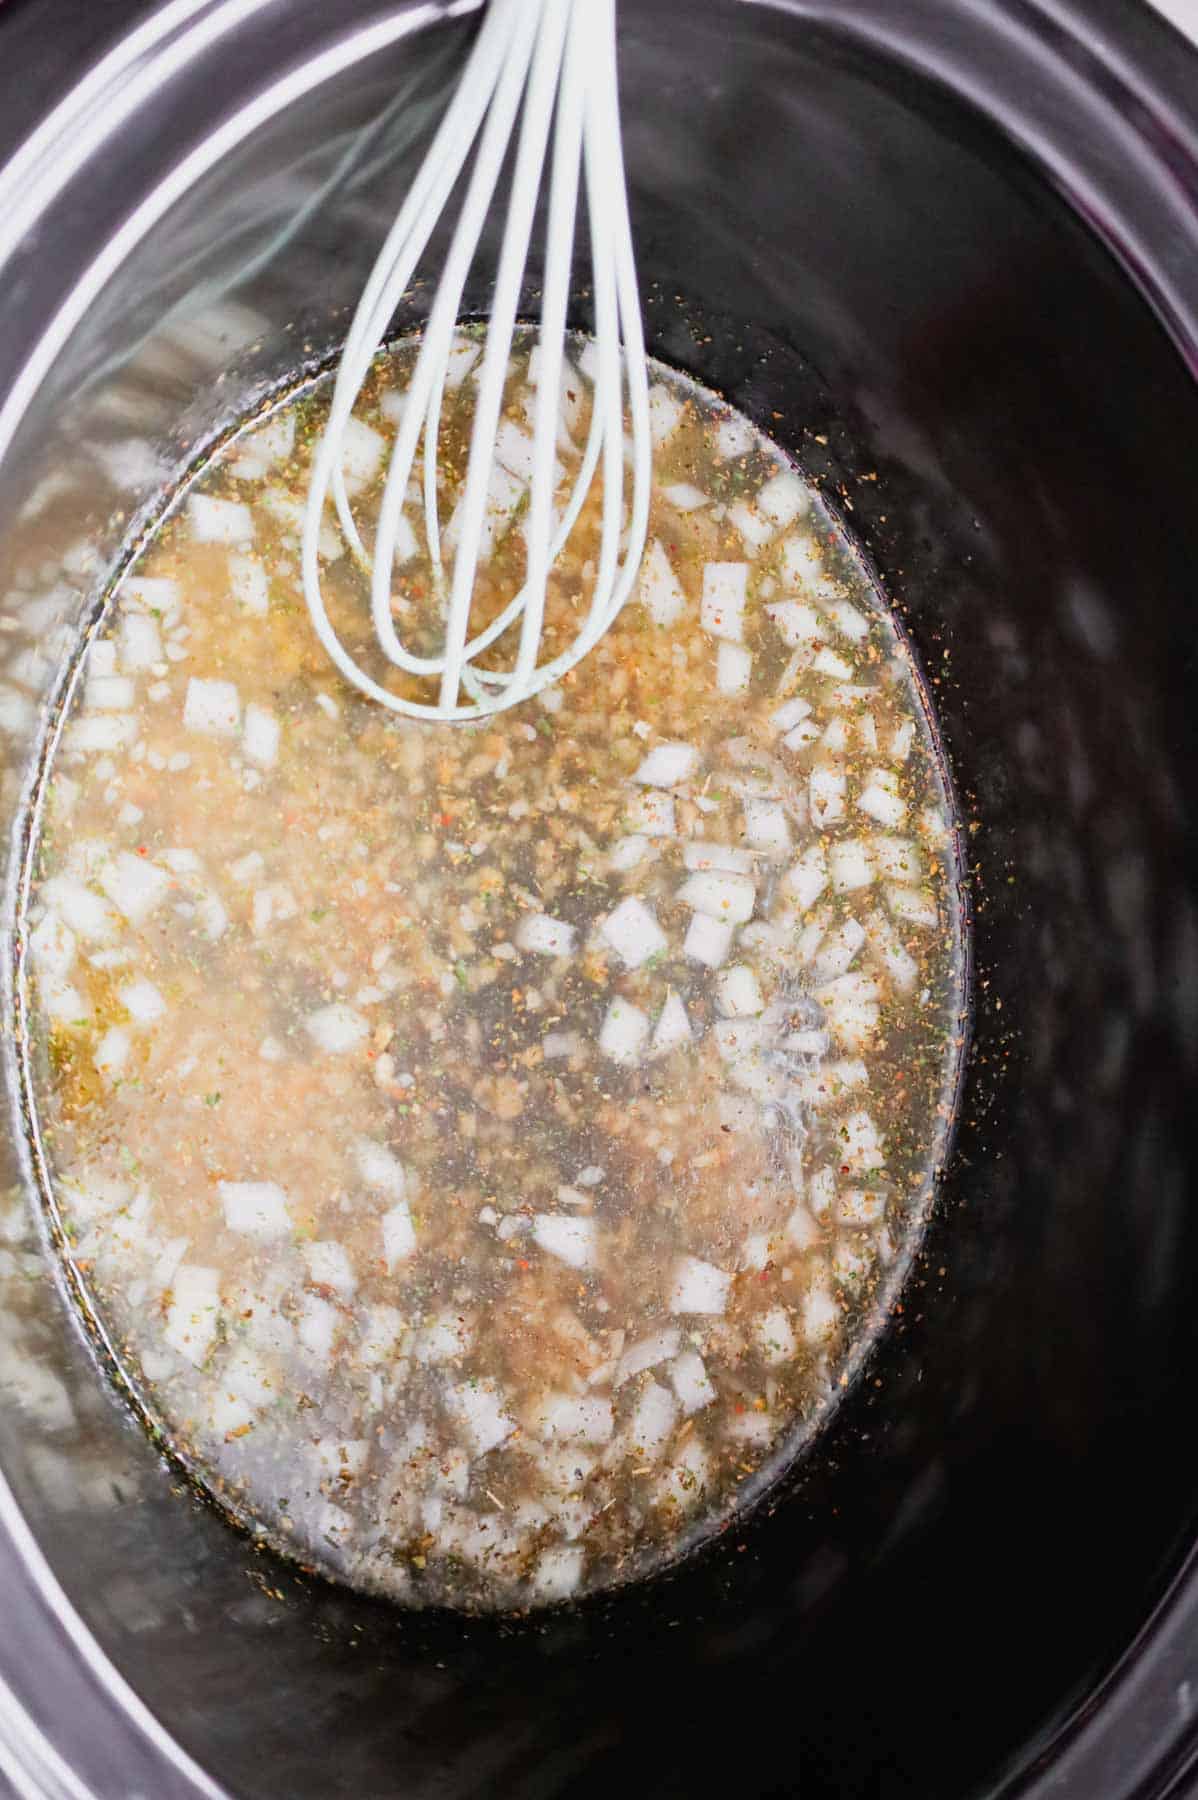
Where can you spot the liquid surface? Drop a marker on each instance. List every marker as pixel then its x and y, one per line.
pixel 487 1149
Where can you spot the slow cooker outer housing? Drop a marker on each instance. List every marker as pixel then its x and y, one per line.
pixel 947 254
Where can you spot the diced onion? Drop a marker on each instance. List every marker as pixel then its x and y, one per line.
pixel 256 1208
pixel 738 992
pixel 659 587
pixel 722 607
pixel 212 707
pixel 698 1287
pixel 667 765
pixel 707 940
pixel 691 1382
pixel 572 1240
pixel 624 1033
pixel 721 895
pixel 632 931
pixel 541 935
pixel 673 1028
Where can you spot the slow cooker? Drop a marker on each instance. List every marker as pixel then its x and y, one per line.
pixel 946 252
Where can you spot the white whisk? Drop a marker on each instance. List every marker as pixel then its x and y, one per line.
pixel 558 56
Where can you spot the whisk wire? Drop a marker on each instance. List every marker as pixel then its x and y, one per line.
pixel 553 63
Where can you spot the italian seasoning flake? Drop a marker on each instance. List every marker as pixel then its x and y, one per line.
pixel 491 1145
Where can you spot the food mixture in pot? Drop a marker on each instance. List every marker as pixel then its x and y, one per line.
pixel 487 1149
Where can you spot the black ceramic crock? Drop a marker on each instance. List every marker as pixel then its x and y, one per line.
pixel 946 251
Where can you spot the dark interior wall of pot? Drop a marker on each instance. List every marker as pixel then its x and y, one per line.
pixel 872 274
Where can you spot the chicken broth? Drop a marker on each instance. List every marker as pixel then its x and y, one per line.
pixel 488 1150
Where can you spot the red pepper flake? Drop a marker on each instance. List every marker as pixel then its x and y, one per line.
pixel 143 849
pixel 522 1264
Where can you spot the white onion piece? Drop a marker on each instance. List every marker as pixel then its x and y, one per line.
pixel 783 498
pixel 624 1032
pixel 801 1228
pixel 659 587
pixel 651 814
pixel 766 827
pixel 802 563
pixel 707 940
pixel 646 1353
pixel 673 1028
pixel 737 1038
pixel 558 1572
pixel 260 736
pixel 691 1382
pixel 652 1423
pixel 541 935
pixel 109 693
pixel 52 947
pixel 827 1085
pixel 248 580
pixel 848 620
pixel 256 1208
pixel 733 669
pixel 329 1266
pixel 880 798
pixel 899 859
pixel 628 853
pixel 697 853
pixel 913 906
pixel 192 1315
pixel 790 713
pixel 140 642
pixel 820 1313
pixel 445 1338
pixel 571 1240
pixel 800 626
pixel 830 663
pixel 113 1051
pixel 849 865
pixel 212 708
pixel 380 1334
pixel 136 886
pixel 721 895
pixel 570 1419
pixel 632 931
pixel 684 1484
pixel 219 521
pixel 754 528
pixel 337 1029
pixel 399 1234
pixel 827 788
pixel 362 450
pixel 102 733
pixel 722 606
pixel 775 1337
pixel 738 992
pixel 861 1148
pixel 898 963
pixel 901 742
pixel 804 733
pixel 808 877
pixel 862 1208
pixel 667 765
pixel 850 1004
pixel 480 1411
pixel 839 950
pixel 380 1169
pixel 665 413
pixel 734 437
pixel 698 1287
pixel 142 1001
